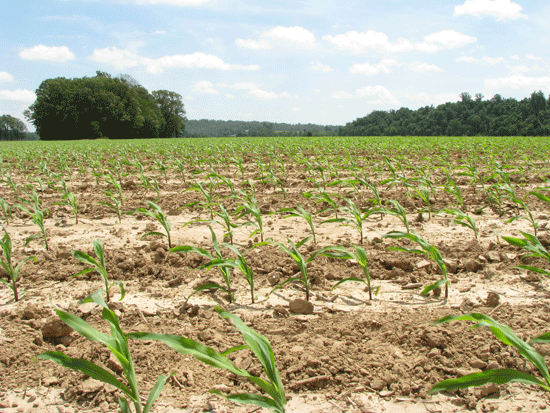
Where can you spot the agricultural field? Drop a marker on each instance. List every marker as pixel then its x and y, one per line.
pixel 267 229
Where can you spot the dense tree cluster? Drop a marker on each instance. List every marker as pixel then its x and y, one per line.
pixel 103 106
pixel 12 129
pixel 469 116
pixel 212 128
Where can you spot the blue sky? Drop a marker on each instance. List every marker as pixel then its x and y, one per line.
pixel 300 61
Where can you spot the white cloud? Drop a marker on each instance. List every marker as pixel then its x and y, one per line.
pixel 449 39
pixel 514 57
pixel 6 77
pixel 518 81
pixel 161 32
pixel 59 54
pixel 368 69
pixel 519 68
pixel 122 59
pixel 532 57
pixel 341 94
pixel 229 96
pixel 205 87
pixel 295 109
pixel 265 95
pixel 486 60
pixel 244 85
pixel 19 95
pixel 294 34
pixel 171 2
pixel 321 67
pixel 379 42
pixel 422 67
pixel 253 44
pixel 380 93
pixel 425 98
pixel 317 90
pixel 499 9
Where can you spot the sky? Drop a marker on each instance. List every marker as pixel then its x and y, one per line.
pixel 295 61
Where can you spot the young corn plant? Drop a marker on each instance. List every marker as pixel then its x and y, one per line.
pixel 359 255
pixel 356 221
pixel 520 204
pixel 156 212
pixel 274 398
pixel 115 204
pixel 253 209
pixel 6 211
pixel 117 343
pixel 210 199
pixel 99 266
pixel 300 212
pixel 536 249
pixel 302 276
pixel 398 212
pixel 226 224
pixel 499 376
pixel 225 271
pixel 325 198
pixel 427 250
pixel 238 263
pixel 463 219
pixel 37 217
pixel 11 268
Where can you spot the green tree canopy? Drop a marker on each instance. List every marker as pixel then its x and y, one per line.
pixel 96 107
pixel 12 129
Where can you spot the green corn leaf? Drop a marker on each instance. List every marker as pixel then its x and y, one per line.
pixel 543 338
pixel 85 258
pixel 251 398
pixel 534 269
pixel 155 392
pixel 124 406
pixel 88 368
pixel 489 376
pixel 361 280
pixel 154 233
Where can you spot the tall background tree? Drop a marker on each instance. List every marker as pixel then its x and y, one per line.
pixel 101 107
pixel 12 129
pixel 172 110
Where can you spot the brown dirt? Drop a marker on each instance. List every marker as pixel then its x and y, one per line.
pixel 349 355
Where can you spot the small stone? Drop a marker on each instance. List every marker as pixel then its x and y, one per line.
pixel 378 384
pixel 50 381
pixel 467 305
pixel 472 265
pixel 423 264
pixel 114 364
pixel 493 299
pixel 30 312
pixel 493 256
pixel 274 277
pixel 54 327
pixel 91 386
pixel 300 306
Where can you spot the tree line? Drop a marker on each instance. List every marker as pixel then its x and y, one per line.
pixel 104 107
pixel 470 116
pixel 220 128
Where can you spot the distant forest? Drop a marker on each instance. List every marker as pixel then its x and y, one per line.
pixel 215 128
pixel 467 117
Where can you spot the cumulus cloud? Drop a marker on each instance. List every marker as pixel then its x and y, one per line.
pixel 170 2
pixel 367 69
pixel 379 42
pixel 532 57
pixel 423 67
pixel 321 67
pixel 59 54
pixel 6 77
pixel 19 95
pixel 295 108
pixel 205 87
pixel 519 68
pixel 279 35
pixel 518 81
pixel 265 95
pixel 485 60
pixel 425 98
pixel 499 9
pixel 229 96
pixel 253 44
pixel 379 94
pixel 244 85
pixel 122 59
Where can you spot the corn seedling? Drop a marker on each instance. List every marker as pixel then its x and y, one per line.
pixel 156 212
pixel 218 257
pixel 302 276
pixel 115 204
pixel 499 376
pixel 238 263
pixel 359 255
pixel 11 268
pixel 274 400
pixel 37 217
pixel 117 343
pixel 398 212
pixel 300 212
pixel 463 219
pixel 357 217
pixel 533 245
pixel 252 208
pixel 427 250
pixel 509 191
pixel 99 266
pixel 6 211
pixel 226 224
pixel 210 200
pixel 325 198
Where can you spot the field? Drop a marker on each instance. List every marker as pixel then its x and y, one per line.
pixel 343 353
